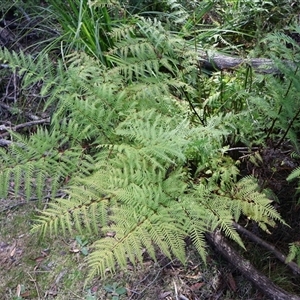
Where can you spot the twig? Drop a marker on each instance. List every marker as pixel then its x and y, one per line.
pixel 36 285
pixel 241 149
pixel 268 246
pixel 32 199
pixel 19 111
pixel 45 121
pixel 267 286
pixel 15 86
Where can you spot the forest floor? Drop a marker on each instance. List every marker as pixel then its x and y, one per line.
pixel 55 268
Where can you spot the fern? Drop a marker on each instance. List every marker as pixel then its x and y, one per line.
pixel 32 69
pixel 294 253
pixel 143 184
pixel 120 143
pixel 29 158
pixel 295 174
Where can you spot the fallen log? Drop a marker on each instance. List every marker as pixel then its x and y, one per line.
pixel 260 281
pixel 293 266
pixel 216 62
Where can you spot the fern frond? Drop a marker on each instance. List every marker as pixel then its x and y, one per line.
pixel 33 161
pixel 102 3
pixel 135 232
pixel 294 252
pixel 178 12
pixel 150 48
pixel 82 214
pixel 32 69
pixel 256 205
pixel 295 174
pixel 154 133
pixel 196 233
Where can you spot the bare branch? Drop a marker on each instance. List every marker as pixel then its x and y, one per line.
pixel 262 282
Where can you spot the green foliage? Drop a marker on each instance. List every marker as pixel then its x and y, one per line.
pixel 6 5
pixel 31 69
pixel 252 18
pixel 122 139
pixel 142 182
pixel 115 290
pixel 294 253
pixel 87 25
pixel 40 163
pixel 139 194
pixel 264 108
pixel 280 106
pixel 294 174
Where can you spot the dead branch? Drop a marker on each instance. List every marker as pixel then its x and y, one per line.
pixel 4 142
pixel 23 125
pixel 18 111
pixel 217 62
pixel 268 246
pixel 260 281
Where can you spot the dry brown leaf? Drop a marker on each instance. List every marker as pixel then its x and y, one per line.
pixel 197 286
pixel 111 234
pixel 231 282
pixel 74 250
pixel 13 251
pixel 128 289
pixel 25 294
pixel 39 259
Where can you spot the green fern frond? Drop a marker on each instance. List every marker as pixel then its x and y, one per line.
pixel 256 205
pixel 294 252
pixel 295 174
pixel 196 233
pixel 178 13
pixel 153 132
pixel 148 49
pixel 31 162
pixel 123 32
pixel 135 232
pixel 83 214
pixel 32 69
pixel 225 224
pixel 102 3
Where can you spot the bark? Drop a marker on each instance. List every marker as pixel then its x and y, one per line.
pixel 260 281
pixel 293 266
pixel 217 61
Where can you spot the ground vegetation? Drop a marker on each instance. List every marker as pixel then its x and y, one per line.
pixel 127 150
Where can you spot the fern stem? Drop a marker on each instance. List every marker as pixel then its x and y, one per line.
pixel 193 107
pixel 279 112
pixel 287 130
